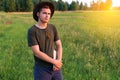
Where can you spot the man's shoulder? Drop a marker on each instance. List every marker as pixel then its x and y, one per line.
pixel 32 28
pixel 52 26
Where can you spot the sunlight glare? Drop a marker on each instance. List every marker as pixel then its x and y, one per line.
pixel 116 3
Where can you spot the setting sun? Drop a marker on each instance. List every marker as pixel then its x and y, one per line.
pixel 116 3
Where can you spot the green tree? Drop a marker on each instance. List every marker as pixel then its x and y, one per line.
pixel 28 5
pixel 9 5
pixel 12 5
pixel 81 6
pixel 36 1
pixel 5 5
pixel 74 5
pixel 22 5
pixel 18 7
pixel 66 6
pixel 1 5
pixel 60 5
pixel 85 6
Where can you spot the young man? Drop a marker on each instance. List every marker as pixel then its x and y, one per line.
pixel 43 39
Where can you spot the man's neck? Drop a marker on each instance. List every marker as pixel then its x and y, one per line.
pixel 41 25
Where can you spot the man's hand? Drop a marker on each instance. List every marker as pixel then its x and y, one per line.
pixel 57 65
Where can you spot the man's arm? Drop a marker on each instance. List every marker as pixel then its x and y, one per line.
pixel 45 57
pixel 59 50
pixel 58 53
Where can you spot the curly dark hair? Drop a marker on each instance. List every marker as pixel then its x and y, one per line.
pixel 40 5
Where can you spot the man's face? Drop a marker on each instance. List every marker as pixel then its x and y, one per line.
pixel 44 15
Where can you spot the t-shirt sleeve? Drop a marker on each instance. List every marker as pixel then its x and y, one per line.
pixel 56 36
pixel 31 38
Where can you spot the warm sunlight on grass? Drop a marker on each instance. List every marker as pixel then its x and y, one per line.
pixel 90 41
pixel 110 8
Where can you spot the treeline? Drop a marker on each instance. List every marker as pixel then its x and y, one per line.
pixel 16 5
pixel 27 5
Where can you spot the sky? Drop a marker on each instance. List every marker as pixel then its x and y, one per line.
pixel 116 3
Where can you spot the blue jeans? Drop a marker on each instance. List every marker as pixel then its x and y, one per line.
pixel 41 73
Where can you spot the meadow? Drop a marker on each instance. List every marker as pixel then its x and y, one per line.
pixel 90 39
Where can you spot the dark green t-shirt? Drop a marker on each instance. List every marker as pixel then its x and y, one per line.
pixel 45 38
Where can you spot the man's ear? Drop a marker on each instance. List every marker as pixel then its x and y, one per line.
pixel 38 14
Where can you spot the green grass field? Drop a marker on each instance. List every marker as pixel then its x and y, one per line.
pixel 91 45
